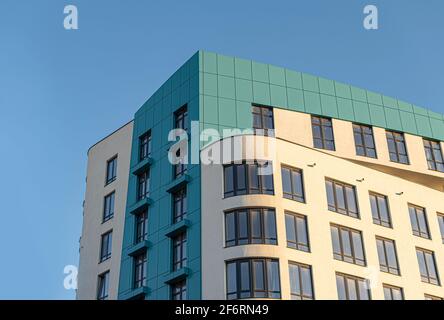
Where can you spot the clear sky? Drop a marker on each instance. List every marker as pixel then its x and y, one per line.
pixel 61 91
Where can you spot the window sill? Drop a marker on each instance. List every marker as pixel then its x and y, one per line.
pixel 142 166
pixel 138 248
pixel 107 183
pixel 177 275
pixel 140 205
pixel 135 293
pixel 177 228
pixel 178 183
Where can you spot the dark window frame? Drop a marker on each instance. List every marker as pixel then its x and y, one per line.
pixel 179 290
pixel 293 195
pixel 261 129
pixel 111 170
pixel 145 145
pixel 180 197
pixel 249 188
pixel 253 292
pixel 357 281
pixel 143 185
pixel 109 202
pixel 249 239
pixel 141 229
pixel 441 224
pixel 103 285
pixel 297 245
pixel 395 154
pixel 419 232
pixel 431 297
pixel 360 130
pixel 179 242
pixel 428 278
pixel 344 186
pixel 301 295
pixel 322 142
pixel 106 243
pixel 392 288
pixel 140 270
pixel 180 122
pixel 430 146
pixel 376 216
pixel 386 267
pixel 342 256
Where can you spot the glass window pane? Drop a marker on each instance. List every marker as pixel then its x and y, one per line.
pixel 335 240
pixel 363 290
pixel 381 253
pixel 290 228
pixel 340 197
pixel 330 194
pixel 301 230
pixel 391 254
pixel 256 228
pixel 340 284
pixel 245 276
pixel 230 228
pixel 351 200
pixel 228 179
pixel 357 246
pixel 295 286
pixel 242 225
pixel 352 290
pixel 259 283
pixel 273 276
pixel 231 278
pixel 306 282
pixel 286 180
pixel 270 224
pixel 241 179
pixel 346 243
pixel 297 183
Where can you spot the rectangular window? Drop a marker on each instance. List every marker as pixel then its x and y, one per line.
pixel 364 141
pixel 393 293
pixel 103 286
pixel 397 147
pixel 145 146
pixel 347 245
pixel 323 137
pixel 253 278
pixel 108 207
pixel 106 245
pixel 380 210
pixel 179 290
pixel 143 185
pixel 352 288
pixel 441 225
pixel 341 198
pixel 427 266
pixel 430 297
pixel 248 178
pixel 418 219
pixel 111 170
pixel 179 205
pixel 434 156
pixel 301 284
pixel 140 262
pixel 296 230
pixel 263 122
pixel 292 184
pixel 179 251
pixel 388 260
pixel 141 226
pixel 181 118
pixel 250 226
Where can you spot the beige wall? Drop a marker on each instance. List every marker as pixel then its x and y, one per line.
pixel 340 165
pixel 118 143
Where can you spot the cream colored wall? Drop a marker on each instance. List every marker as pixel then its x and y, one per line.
pixel 118 143
pixel 321 259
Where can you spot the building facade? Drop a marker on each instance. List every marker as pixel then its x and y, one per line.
pixel 343 201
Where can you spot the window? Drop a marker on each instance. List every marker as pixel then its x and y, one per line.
pixel 145 146
pixel 105 247
pixel 347 245
pixel 108 207
pixel 441 225
pixel 179 251
pixel 388 261
pixel 180 122
pixel 253 278
pixel 433 153
pixel 263 123
pixel 297 233
pixel 322 133
pixel 248 178
pixel 380 210
pixel 352 288
pixel 179 290
pixel 179 205
pixel 250 226
pixel 393 293
pixel 141 226
pixel 397 147
pixel 430 297
pixel 103 286
pixel 292 184
pixel 342 198
pixel 111 170
pixel 427 266
pixel 140 262
pixel 301 284
pixel 143 185
pixel 418 219
pixel 364 141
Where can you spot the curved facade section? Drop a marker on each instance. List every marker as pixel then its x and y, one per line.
pixel 328 267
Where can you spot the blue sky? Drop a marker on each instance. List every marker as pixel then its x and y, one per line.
pixel 61 91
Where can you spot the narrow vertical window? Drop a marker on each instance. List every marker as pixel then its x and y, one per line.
pixel 140 262
pixel 111 170
pixel 388 260
pixel 427 266
pixel 441 225
pixel 145 146
pixel 380 210
pixel 263 122
pixel 418 219
pixel 179 205
pixel 397 147
pixel 296 230
pixel 179 290
pixel 364 141
pixel 141 226
pixel 108 206
pixel 106 246
pixel 301 284
pixel 323 137
pixel 292 184
pixel 179 251
pixel 103 286
pixel 143 185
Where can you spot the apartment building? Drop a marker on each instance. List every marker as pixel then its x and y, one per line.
pixel 350 208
